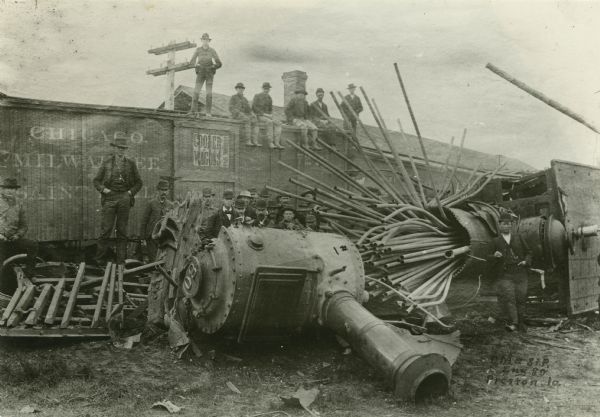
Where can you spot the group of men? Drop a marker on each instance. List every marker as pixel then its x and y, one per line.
pixel 309 118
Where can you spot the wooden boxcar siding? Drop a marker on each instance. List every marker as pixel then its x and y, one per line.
pixel 56 154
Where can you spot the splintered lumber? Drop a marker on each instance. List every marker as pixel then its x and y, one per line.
pixel 144 267
pixel 98 309
pixel 53 309
pixel 22 306
pixel 12 304
pixel 111 292
pixel 120 290
pixel 39 306
pixel 72 297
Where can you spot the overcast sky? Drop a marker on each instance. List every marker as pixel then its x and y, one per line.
pixel 96 52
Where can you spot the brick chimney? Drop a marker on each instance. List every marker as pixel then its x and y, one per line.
pixel 292 80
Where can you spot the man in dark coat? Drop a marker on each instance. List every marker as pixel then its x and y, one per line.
pixel 355 104
pixel 13 226
pixel 240 109
pixel 511 259
pixel 262 214
pixel 223 217
pixel 297 113
pixel 207 62
pixel 319 112
pixel 153 213
pixel 262 106
pixel 117 181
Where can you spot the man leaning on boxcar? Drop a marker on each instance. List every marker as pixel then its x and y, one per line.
pixel 13 226
pixel 118 180
pixel 153 213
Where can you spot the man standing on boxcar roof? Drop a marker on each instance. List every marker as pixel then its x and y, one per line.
pixel 13 226
pixel 118 180
pixel 207 62
pixel 355 104
pixel 153 213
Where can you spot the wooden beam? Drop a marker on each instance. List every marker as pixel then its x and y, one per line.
pixel 182 66
pixel 172 47
pixel 53 309
pixel 39 306
pixel 98 309
pixel 111 293
pixel 24 303
pixel 72 297
pixel 12 304
pixel 120 290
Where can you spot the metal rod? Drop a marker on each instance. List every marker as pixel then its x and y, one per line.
pixel 412 163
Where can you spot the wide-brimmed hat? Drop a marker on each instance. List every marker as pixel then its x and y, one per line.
pixel 205 36
pixel 351 86
pixel 120 143
pixel 207 192
pixel 240 85
pixel 266 85
pixel 228 194
pixel 9 183
pixel 245 193
pixel 320 90
pixel 163 185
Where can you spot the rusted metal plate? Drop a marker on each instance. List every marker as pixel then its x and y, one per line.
pixel 579 195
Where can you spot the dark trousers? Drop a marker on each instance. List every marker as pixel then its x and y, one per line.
pixel 511 290
pixel 353 124
pixel 14 247
pixel 203 76
pixel 115 215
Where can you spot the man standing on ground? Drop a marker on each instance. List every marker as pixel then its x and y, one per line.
pixel 297 113
pixel 240 110
pixel 206 61
pixel 262 106
pixel 153 213
pixel 223 216
pixel 13 226
pixel 208 209
pixel 118 180
pixel 510 259
pixel 355 104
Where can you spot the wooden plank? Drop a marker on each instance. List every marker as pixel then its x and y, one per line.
pixel 120 291
pixel 22 306
pixel 111 293
pixel 72 297
pixel 54 332
pixel 11 305
pixel 52 310
pixel 98 309
pixel 39 306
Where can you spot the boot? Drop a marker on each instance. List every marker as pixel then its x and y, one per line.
pixel 249 143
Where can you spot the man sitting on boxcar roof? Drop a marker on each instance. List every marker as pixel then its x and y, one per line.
pixel 13 226
pixel 118 180
pixel 240 109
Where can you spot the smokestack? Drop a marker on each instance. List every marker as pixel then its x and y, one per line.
pixel 292 80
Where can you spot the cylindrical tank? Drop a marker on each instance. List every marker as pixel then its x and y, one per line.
pixel 262 284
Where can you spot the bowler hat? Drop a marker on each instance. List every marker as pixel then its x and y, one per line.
pixel 320 90
pixel 10 183
pixel 228 194
pixel 207 192
pixel 205 36
pixel 119 143
pixel 245 193
pixel 264 193
pixel 272 203
pixel 240 85
pixel 505 216
pixel 162 185
pixel 266 85
pixel 300 91
pixel 261 204
pixel 351 86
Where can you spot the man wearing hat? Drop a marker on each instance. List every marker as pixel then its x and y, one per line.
pixel 239 107
pixel 289 220
pixel 253 196
pixel 154 211
pixel 245 197
pixel 222 217
pixel 206 61
pixel 355 104
pixel 242 214
pixel 511 259
pixel 117 181
pixel 208 209
pixel 298 113
pixel 262 106
pixel 262 214
pixel 13 226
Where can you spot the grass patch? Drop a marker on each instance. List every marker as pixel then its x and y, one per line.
pixel 44 371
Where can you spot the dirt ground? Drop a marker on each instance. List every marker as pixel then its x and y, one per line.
pixel 543 373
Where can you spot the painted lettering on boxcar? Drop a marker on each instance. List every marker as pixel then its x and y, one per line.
pixel 209 150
